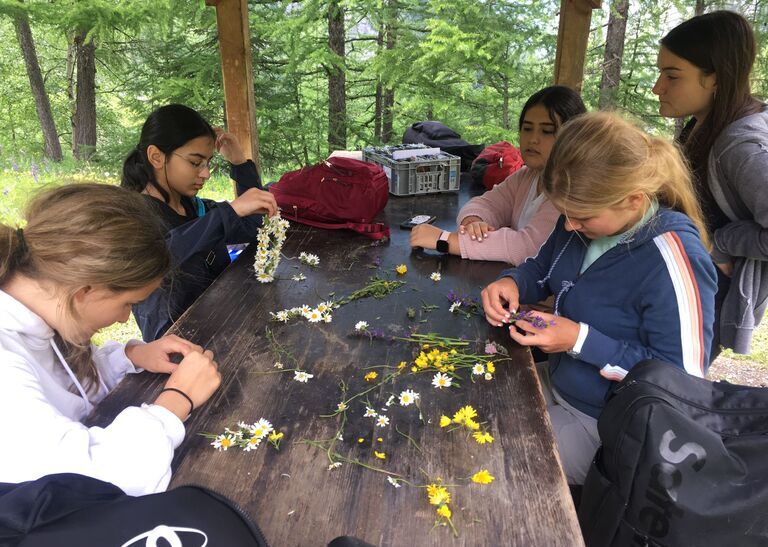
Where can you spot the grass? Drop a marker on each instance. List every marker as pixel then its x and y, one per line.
pixel 21 179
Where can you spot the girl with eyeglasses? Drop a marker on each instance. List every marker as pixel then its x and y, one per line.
pixel 169 166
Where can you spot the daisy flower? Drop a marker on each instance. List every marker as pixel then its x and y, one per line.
pixel 361 326
pixel 478 369
pixel 454 307
pixel 252 444
pixel 261 429
pixel 488 376
pixel 441 380
pixel 334 465
pixel 322 307
pixel 341 407
pixel 483 477
pixel 278 365
pixel 435 276
pixel 264 278
pixel 394 482
pixel 314 316
pixel 299 277
pixel 222 442
pixel 382 421
pixel 301 376
pixel 401 269
pixel 304 310
pixel 408 397
pixel 327 318
pixel 369 413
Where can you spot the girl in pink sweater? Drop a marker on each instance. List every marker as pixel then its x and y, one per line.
pixel 510 222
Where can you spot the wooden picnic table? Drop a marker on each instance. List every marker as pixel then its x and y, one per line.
pixel 291 493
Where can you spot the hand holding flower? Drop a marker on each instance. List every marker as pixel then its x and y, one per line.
pixel 559 336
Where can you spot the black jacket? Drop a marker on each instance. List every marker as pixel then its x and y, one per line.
pixel 198 245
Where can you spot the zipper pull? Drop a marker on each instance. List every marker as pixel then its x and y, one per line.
pixel 623 386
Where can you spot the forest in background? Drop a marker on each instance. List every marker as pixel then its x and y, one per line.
pixel 328 74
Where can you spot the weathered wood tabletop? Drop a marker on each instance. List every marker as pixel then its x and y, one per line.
pixel 292 494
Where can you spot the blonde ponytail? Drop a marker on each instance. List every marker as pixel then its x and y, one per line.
pixel 599 159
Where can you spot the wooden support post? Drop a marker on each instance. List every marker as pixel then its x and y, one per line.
pixel 237 71
pixel 572 38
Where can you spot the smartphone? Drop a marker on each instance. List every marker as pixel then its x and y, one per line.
pixel 416 220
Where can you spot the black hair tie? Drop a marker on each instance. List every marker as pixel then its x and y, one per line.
pixel 22 242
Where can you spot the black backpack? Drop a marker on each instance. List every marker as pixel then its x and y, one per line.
pixel 441 136
pixel 72 510
pixel 683 462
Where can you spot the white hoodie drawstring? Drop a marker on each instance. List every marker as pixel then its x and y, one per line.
pixel 78 385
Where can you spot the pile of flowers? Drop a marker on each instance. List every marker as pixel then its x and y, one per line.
pixel 246 436
pixel 439 496
pixel 309 259
pixel 320 313
pixel 270 239
pixel 465 418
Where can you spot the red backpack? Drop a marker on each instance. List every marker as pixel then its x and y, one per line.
pixel 496 163
pixel 334 194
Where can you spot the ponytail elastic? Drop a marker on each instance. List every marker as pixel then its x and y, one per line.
pixel 22 242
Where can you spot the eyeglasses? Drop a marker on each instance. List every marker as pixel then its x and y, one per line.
pixel 199 165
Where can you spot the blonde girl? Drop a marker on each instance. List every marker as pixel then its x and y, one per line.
pixel 87 253
pixel 626 264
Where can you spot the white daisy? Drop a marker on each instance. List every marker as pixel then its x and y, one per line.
pixel 382 421
pixel 322 307
pixel 282 316
pixel 327 317
pixel 264 278
pixel 478 369
pixel 394 482
pixel 455 306
pixel 301 376
pixel 278 364
pixel 435 276
pixel 341 407
pixel 441 380
pixel 408 397
pixel 314 316
pixel 262 428
pixel 488 376
pixel 361 326
pixel 299 277
pixel 304 310
pixel 369 413
pixel 334 465
pixel 222 442
pixel 252 444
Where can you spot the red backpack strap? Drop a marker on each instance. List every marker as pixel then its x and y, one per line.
pixel 373 230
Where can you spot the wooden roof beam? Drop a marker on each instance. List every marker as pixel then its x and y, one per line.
pixel 572 38
pixel 237 73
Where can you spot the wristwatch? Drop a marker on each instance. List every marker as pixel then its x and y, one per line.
pixel 442 242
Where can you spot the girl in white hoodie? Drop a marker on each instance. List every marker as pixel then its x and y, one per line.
pixel 87 253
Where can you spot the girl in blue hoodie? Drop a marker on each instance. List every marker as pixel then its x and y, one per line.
pixel 631 277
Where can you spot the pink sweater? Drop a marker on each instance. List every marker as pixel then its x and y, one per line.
pixel 502 207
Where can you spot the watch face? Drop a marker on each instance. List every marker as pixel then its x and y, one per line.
pixel 442 246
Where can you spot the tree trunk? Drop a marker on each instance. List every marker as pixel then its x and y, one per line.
pixel 377 110
pixel 701 5
pixel 614 54
pixel 42 103
pixel 337 100
pixel 505 102
pixel 388 97
pixel 71 64
pixel 84 119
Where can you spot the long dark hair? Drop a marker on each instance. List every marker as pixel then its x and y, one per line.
pixel 557 99
pixel 169 127
pixel 721 42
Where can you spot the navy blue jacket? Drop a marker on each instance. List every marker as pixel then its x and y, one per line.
pixel 651 296
pixel 198 244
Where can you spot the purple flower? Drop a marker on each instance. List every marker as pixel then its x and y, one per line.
pixel 34 172
pixel 490 348
pixel 15 166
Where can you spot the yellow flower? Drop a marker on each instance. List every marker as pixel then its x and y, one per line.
pixel 361 440
pixel 275 436
pixel 380 455
pixel 438 495
pixel 414 369
pixel 483 477
pixel 464 413
pixel 401 365
pixel 444 511
pixel 471 424
pixel 425 346
pixel 401 269
pixel 490 367
pixel 453 352
pixel 371 376
pixel 482 437
pixel 379 439
pixel 445 421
